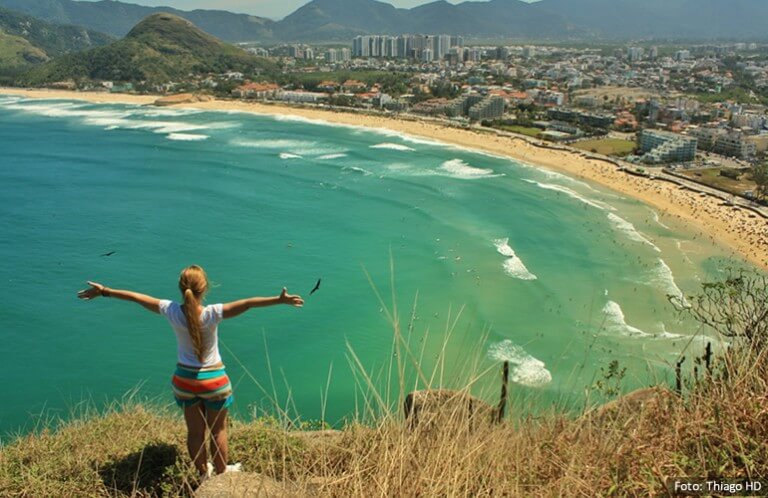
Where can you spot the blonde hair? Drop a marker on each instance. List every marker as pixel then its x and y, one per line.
pixel 193 284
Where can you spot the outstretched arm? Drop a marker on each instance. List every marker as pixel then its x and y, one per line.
pixel 239 307
pixel 96 290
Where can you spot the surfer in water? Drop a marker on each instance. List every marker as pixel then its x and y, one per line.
pixel 200 383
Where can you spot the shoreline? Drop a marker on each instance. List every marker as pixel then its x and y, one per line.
pixel 738 229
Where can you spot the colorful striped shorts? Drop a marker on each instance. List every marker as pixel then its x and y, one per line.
pixel 208 384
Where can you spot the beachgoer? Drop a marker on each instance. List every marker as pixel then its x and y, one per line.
pixel 200 384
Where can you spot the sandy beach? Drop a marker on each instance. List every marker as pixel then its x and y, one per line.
pixel 740 230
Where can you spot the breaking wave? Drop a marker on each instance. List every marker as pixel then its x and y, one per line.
pixel 524 368
pixel 513 265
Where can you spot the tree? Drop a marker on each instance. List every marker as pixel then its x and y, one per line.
pixel 760 176
pixel 736 307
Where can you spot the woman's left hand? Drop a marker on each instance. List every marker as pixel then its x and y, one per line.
pixel 96 290
pixel 293 300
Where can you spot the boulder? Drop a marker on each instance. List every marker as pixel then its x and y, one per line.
pixel 436 407
pixel 627 407
pixel 181 98
pixel 247 485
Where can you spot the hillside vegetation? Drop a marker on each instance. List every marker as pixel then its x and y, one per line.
pixel 15 52
pixel 53 39
pixel 118 18
pixel 339 20
pixel 715 427
pixel 161 48
pixel 26 42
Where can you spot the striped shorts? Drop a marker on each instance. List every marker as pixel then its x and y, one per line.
pixel 208 384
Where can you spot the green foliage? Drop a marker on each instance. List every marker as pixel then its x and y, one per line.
pixel 607 146
pixel 393 83
pixel 16 52
pixel 160 49
pixel 609 385
pixel 733 174
pixel 736 307
pixel 760 177
pixel 52 39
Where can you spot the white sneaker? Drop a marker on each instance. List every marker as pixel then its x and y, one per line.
pixel 208 473
pixel 235 467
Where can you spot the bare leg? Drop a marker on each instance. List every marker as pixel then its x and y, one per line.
pixel 217 422
pixel 195 417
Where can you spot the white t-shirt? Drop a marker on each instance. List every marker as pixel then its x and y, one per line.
pixel 209 321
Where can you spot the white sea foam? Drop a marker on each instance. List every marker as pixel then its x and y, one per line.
pixel 571 193
pixel 525 369
pixel 288 155
pixel 513 265
pixel 503 248
pixel 554 175
pixel 657 220
pixel 67 110
pixel 187 137
pixel 166 127
pixel 456 168
pixel 273 144
pixel 615 321
pixel 679 244
pixel 392 146
pixel 403 169
pixel 337 155
pixel 662 275
pixel 667 335
pixel 162 113
pixel 356 169
pixel 629 229
pixel 109 122
pixel 515 268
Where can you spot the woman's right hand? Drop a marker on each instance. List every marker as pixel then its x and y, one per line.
pixel 96 290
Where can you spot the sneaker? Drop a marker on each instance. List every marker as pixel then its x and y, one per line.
pixel 208 473
pixel 235 467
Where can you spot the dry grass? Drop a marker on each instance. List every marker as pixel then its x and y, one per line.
pixel 718 427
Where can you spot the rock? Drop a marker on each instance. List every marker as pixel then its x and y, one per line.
pixel 627 407
pixel 324 437
pixel 438 407
pixel 247 485
pixel 181 98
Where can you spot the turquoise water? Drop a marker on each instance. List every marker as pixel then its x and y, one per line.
pixel 554 274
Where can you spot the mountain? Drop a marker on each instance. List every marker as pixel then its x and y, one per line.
pixel 343 19
pixel 159 49
pixel 118 18
pixel 340 20
pixel 16 52
pixel 696 19
pixel 25 40
pixel 545 19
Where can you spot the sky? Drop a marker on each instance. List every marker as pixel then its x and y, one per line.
pixel 273 9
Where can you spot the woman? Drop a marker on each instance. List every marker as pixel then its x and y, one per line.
pixel 200 383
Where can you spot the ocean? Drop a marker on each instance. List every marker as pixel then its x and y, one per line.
pixel 484 258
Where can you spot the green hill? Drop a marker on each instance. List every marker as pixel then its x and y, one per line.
pixel 53 39
pixel 117 18
pixel 16 52
pixel 26 41
pixel 162 48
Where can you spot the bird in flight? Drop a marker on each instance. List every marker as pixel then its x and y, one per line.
pixel 317 286
pixel 110 253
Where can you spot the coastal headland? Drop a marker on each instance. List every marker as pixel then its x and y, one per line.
pixel 741 230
